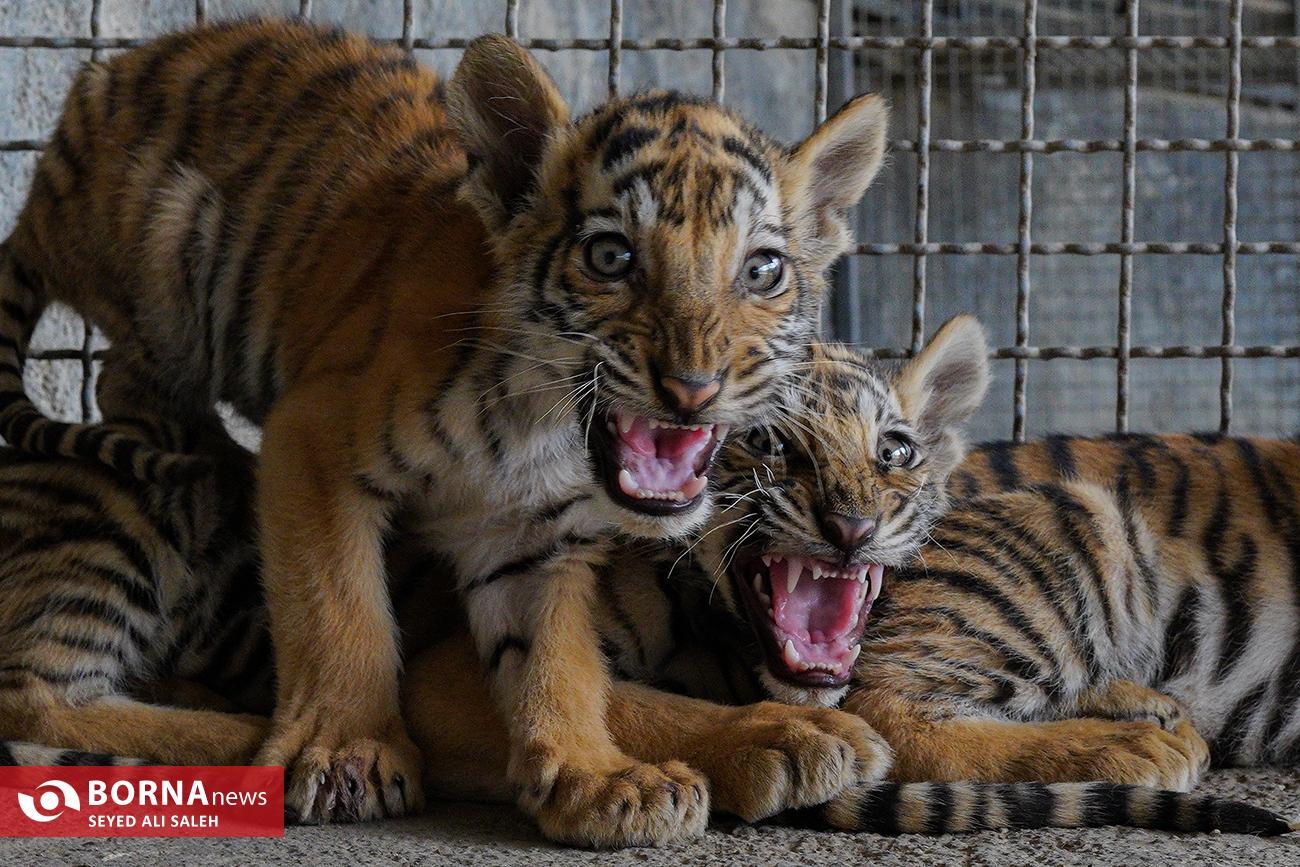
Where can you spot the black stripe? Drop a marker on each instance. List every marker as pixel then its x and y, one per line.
pixel 1029 805
pixel 1225 749
pixel 1181 637
pixel 1001 459
pixel 627 142
pixel 939 813
pixel 79 758
pixel 1061 457
pixel 738 148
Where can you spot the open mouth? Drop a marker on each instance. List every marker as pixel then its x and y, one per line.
pixel 653 466
pixel 809 614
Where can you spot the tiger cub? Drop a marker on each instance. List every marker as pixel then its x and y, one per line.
pixel 1087 609
pixel 772 603
pixel 528 330
pixel 115 592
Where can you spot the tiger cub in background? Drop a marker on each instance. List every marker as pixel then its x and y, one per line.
pixel 530 330
pixel 116 594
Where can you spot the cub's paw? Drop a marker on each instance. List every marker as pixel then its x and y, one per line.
pixel 1138 753
pixel 334 778
pixel 768 757
pixel 1129 701
pixel 630 804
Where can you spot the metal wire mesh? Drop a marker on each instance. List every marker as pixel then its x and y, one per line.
pixel 937 59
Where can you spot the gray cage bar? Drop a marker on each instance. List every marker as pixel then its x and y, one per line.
pixel 836 45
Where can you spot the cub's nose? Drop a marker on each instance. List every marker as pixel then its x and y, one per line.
pixel 847 532
pixel 690 393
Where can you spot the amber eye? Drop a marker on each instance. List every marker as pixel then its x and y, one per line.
pixel 761 274
pixel 894 451
pixel 609 256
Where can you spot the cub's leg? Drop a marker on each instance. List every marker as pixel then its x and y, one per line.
pixel 336 712
pixel 119 726
pixel 535 632
pixel 929 746
pixel 759 759
pixel 1126 700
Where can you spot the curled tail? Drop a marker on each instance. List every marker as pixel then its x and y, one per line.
pixel 24 427
pixel 24 754
pixel 958 808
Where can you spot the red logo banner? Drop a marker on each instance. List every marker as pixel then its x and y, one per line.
pixel 143 801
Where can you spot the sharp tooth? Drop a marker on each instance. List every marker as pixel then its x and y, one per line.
pixel 789 654
pixel 626 484
pixel 857 651
pixel 794 570
pixel 767 560
pixel 816 571
pixel 758 584
pixel 692 489
pixel 720 431
pixel 876 572
pixel 625 421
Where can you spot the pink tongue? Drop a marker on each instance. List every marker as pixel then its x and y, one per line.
pixel 660 459
pixel 826 606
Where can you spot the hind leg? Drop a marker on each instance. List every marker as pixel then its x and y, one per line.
pixel 998 750
pixel 119 726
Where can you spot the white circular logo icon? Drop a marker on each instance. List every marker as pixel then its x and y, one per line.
pixel 57 796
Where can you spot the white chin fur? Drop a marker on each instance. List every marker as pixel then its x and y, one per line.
pixel 809 696
pixel 654 526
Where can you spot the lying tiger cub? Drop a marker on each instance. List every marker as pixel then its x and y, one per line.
pixel 1022 637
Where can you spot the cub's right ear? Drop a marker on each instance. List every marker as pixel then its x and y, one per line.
pixel 943 385
pixel 504 107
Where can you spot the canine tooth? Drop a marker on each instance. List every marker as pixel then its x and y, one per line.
pixel 767 560
pixel 626 484
pixel 692 489
pixel 793 571
pixel 758 584
pixel 625 421
pixel 876 572
pixel 857 651
pixel 790 655
pixel 720 431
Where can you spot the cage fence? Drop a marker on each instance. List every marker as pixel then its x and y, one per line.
pixel 1110 185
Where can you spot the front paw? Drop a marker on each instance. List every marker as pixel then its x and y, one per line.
pixel 337 776
pixel 1128 701
pixel 623 803
pixel 1137 753
pixel 768 757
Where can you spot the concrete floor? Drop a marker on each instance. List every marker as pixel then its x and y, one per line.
pixel 488 836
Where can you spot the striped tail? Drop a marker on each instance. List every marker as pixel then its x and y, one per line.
pixel 25 428
pixel 24 754
pixel 959 808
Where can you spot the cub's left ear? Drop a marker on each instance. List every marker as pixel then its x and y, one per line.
pixel 943 385
pixel 828 173
pixel 505 108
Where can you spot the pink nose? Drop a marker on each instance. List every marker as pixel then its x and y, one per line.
pixel 848 532
pixel 690 393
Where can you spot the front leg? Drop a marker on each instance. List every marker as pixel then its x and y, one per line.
pixel 337 728
pixel 930 743
pixel 759 759
pixel 534 631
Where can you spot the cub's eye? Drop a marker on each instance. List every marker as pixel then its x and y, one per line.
pixel 608 256
pixel 894 451
pixel 761 274
pixel 765 443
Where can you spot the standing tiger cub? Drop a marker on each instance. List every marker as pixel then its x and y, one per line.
pixel 526 332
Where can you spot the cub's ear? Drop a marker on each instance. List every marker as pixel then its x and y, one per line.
pixel 828 172
pixel 504 107
pixel 942 386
